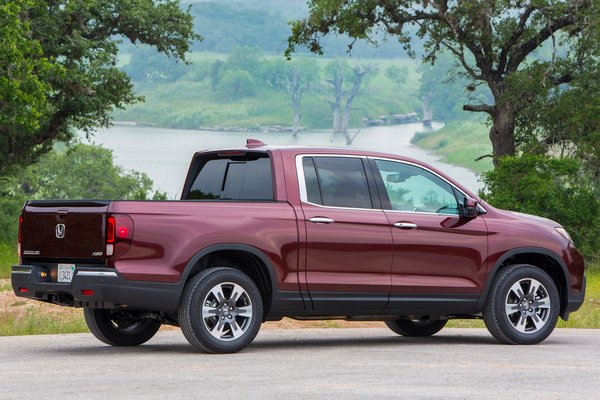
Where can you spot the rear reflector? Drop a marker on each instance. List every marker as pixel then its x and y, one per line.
pixel 23 290
pixel 87 292
pixel 123 232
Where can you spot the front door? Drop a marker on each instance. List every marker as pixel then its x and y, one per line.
pixel 439 256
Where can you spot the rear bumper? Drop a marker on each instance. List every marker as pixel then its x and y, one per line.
pixel 574 301
pixel 97 288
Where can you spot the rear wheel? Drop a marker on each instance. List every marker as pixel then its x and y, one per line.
pixel 523 305
pixel 220 311
pixel 426 325
pixel 119 328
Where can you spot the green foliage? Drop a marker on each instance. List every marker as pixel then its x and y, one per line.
pixel 265 24
pixel 146 64
pixel 492 41
pixel 58 66
pixel 397 75
pixel 190 102
pixel 549 187
pixel 236 84
pixel 82 171
pixel 446 90
pixel 8 252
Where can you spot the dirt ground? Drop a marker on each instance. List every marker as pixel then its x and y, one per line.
pixel 15 310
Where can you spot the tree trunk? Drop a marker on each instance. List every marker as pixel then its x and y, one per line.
pixel 502 133
pixel 296 127
pixel 427 113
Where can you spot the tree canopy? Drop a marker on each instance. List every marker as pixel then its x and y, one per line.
pixel 58 66
pixel 492 40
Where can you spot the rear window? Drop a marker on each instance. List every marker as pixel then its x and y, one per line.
pixel 246 177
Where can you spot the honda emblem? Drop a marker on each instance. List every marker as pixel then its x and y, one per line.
pixel 60 231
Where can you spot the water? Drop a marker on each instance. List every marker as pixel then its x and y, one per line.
pixel 165 154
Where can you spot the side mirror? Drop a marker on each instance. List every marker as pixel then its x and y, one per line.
pixel 470 208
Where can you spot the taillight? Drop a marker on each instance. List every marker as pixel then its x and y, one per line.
pixel 110 230
pixel 119 232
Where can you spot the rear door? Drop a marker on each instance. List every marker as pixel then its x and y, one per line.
pixel 64 229
pixel 348 238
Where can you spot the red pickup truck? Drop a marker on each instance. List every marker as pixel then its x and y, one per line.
pixel 264 232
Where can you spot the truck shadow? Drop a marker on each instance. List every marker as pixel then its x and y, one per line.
pixel 293 342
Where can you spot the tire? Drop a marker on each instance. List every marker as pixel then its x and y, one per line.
pixel 117 328
pixel 220 311
pixel 424 326
pixel 522 306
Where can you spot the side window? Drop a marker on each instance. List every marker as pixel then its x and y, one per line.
pixel 410 188
pixel 233 178
pixel 313 192
pixel 337 182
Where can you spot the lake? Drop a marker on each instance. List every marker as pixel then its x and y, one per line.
pixel 165 154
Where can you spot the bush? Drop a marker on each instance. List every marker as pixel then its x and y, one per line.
pixel 82 171
pixel 236 84
pixel 551 188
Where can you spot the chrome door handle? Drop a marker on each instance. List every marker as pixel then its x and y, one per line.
pixel 405 225
pixel 321 220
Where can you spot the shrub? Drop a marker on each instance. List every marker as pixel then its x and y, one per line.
pixel 551 188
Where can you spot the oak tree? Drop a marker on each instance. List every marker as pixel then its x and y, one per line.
pixel 58 69
pixel 492 40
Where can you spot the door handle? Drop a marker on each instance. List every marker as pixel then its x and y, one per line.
pixel 405 225
pixel 321 220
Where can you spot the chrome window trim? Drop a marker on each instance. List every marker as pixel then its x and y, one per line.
pixel 304 195
pixel 302 181
pixel 432 172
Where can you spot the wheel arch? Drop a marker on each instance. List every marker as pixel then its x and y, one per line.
pixel 247 259
pixel 545 259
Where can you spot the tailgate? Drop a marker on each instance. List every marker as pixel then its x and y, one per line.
pixel 65 229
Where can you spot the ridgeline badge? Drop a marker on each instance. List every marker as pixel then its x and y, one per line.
pixel 60 231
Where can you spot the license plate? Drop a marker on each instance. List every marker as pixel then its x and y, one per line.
pixel 65 272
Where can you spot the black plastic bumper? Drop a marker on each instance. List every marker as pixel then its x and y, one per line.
pixel 96 288
pixel 575 301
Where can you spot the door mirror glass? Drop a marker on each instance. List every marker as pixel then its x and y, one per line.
pixel 470 208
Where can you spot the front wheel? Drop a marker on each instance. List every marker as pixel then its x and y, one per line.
pixel 119 328
pixel 220 311
pixel 426 325
pixel 523 305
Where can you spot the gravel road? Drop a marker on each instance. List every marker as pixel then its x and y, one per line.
pixel 305 364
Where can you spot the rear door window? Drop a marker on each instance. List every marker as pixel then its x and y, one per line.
pixel 336 182
pixel 247 177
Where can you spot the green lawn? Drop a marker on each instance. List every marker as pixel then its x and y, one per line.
pixel 460 143
pixel 8 257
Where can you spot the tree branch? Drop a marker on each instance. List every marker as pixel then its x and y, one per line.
pixel 486 108
pixel 514 37
pixel 533 43
pixel 484 156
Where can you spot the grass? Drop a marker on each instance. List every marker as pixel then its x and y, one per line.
pixel 191 103
pixel 8 257
pixel 460 143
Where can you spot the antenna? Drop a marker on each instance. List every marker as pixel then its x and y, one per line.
pixel 251 143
